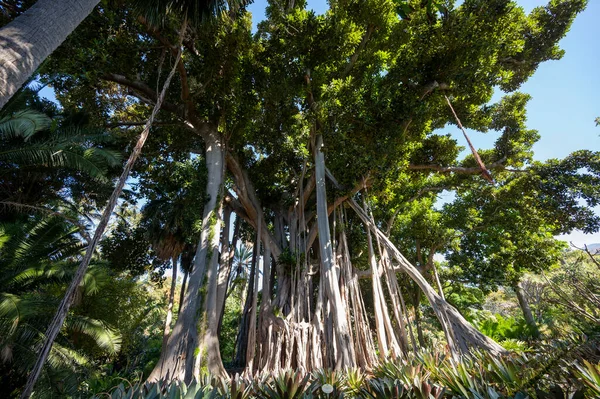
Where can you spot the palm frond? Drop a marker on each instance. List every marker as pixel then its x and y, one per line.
pixel 61 356
pixel 53 157
pixel 104 336
pixel 23 124
pixel 196 11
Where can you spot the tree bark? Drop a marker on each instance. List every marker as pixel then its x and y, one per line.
pixel 208 360
pixel 526 309
pixel 179 353
pixel 344 357
pixel 67 301
pixel 379 323
pixel 182 291
pixel 28 40
pixel 169 318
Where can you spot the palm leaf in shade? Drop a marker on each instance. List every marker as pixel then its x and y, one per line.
pixel 23 124
pixel 196 11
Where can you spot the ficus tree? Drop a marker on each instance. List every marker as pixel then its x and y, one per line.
pixel 326 126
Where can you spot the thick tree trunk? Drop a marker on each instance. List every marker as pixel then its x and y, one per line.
pixel 178 356
pixel 208 360
pixel 526 309
pixel 67 301
pixel 344 358
pixel 28 40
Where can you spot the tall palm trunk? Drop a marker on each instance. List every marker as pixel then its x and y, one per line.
pixel 169 317
pixel 63 308
pixel 28 40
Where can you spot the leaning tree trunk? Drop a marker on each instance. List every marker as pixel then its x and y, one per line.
pixel 28 40
pixel 178 356
pixel 526 309
pixel 63 308
pixel 345 352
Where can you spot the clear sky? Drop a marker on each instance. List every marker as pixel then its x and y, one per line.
pixel 566 94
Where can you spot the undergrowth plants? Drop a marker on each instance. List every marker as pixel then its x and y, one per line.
pixel 425 375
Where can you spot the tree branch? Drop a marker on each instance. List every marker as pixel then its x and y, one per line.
pixel 361 47
pixel 498 165
pixel 144 92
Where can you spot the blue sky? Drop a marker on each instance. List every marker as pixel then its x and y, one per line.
pixel 565 94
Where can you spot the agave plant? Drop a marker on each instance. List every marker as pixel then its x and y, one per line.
pixel 162 390
pixel 238 388
pixel 328 384
pixel 355 379
pixel 589 374
pixel 288 385
pixel 384 388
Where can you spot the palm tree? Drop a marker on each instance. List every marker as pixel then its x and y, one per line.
pixel 170 218
pixel 29 39
pixel 168 239
pixel 35 257
pixel 193 11
pixel 42 158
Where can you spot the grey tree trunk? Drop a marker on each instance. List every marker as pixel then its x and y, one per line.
pixel 63 307
pixel 209 356
pixel 28 40
pixel 526 309
pixel 178 356
pixel 344 356
pixel 182 291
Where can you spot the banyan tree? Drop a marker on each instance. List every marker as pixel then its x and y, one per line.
pixel 316 131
